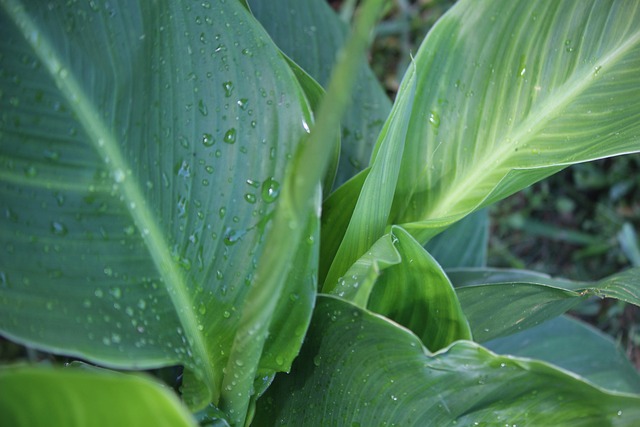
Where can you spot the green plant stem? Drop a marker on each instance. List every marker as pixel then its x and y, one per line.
pixel 300 191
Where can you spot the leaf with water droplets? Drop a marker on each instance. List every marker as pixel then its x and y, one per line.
pixel 133 240
pixel 378 370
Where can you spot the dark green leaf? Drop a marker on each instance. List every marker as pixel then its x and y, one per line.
pixel 359 369
pixel 576 347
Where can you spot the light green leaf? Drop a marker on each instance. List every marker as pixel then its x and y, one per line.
pixel 399 279
pixel 371 212
pixel 501 302
pixel 359 369
pixel 418 295
pixel 33 396
pixel 509 93
pixel 464 244
pixel 311 34
pixel 143 147
pixel 576 347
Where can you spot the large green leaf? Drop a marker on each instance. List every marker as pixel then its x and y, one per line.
pixel 143 146
pixel 500 302
pixel 576 347
pixel 508 93
pixel 312 35
pixel 33 396
pixel 359 369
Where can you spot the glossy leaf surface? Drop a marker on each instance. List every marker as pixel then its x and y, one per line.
pixel 509 93
pixel 357 368
pixel 33 396
pixel 137 181
pixel 576 347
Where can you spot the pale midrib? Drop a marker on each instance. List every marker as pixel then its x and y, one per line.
pixel 107 146
pixel 534 121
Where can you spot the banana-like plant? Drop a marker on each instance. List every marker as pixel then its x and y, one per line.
pixel 223 185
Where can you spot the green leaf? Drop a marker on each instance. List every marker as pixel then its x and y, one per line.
pixel 143 147
pixel 576 347
pixel 418 295
pixel 360 369
pixel 311 34
pixel 301 198
pixel 371 212
pixel 35 396
pixel 501 302
pixel 509 93
pixel 464 244
pixel 399 279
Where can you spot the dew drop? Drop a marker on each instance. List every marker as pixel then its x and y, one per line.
pixel 226 314
pixel 59 229
pixel 434 119
pixel 202 107
pixel 250 197
pixel 230 136
pixel 228 88
pixel 243 103
pixel 270 190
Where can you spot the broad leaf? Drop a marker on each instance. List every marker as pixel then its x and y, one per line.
pixel 501 302
pixel 143 146
pixel 360 369
pixel 508 93
pixel 311 34
pixel 576 347
pixel 33 396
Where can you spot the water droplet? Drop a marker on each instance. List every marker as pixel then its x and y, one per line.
pixel 270 190
pixel 207 139
pixel 202 107
pixel 434 119
pixel 142 304
pixel 228 88
pixel 58 229
pixel 596 70
pixel 226 314
pixel 250 197
pixel 232 237
pixel 222 212
pixel 243 103
pixel 239 362
pixel 230 136
pixel 116 293
pixel 317 360
pixel 185 170
pixel 206 5
pixel 279 360
pixel 202 309
pixel 99 293
pixel 305 126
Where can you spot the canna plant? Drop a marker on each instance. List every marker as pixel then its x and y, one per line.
pixel 222 185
